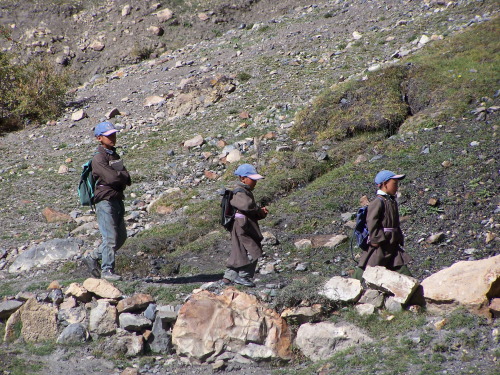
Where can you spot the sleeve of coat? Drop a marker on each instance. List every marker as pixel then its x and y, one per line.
pixel 374 219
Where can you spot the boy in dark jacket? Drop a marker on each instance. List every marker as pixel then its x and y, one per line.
pixel 386 239
pixel 246 237
pixel 112 179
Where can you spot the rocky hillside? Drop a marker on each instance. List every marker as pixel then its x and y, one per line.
pixel 197 88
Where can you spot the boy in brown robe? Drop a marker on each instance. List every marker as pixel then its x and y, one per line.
pixel 386 239
pixel 246 237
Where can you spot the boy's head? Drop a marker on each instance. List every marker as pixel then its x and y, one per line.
pixel 105 132
pixel 387 181
pixel 248 174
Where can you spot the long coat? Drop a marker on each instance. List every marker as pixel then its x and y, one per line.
pixel 246 237
pixel 382 220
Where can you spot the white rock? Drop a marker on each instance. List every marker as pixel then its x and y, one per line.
pixel 342 289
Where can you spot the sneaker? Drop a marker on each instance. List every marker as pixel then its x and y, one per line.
pixel 110 275
pixel 244 282
pixel 92 265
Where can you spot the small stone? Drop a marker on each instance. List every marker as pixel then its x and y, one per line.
pixel 446 163
pixel 303 244
pixel 433 202
pixel 78 115
pixel 63 169
pixel 435 238
pixel 164 15
pixel 490 236
pixel 113 113
pixel 356 35
pixel 440 324
pixel 97 46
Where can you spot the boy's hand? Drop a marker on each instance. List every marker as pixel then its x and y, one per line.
pixel 264 211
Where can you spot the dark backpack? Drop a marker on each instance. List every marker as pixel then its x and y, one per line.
pixel 360 233
pixel 227 211
pixel 87 184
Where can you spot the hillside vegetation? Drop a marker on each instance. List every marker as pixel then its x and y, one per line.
pixel 316 111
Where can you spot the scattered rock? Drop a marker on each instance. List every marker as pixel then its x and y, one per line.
pixel 79 115
pixel 321 340
pixel 400 286
pixel 53 216
pixel 102 288
pixel 39 321
pixel 340 289
pixel 137 302
pixel 482 278
pixel 209 324
pixel 436 238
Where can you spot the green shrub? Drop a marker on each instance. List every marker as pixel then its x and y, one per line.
pixel 34 92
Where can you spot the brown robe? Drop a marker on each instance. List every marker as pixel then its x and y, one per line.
pixel 246 237
pixel 383 214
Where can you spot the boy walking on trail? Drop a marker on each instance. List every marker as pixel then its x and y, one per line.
pixel 246 237
pixel 386 239
pixel 112 179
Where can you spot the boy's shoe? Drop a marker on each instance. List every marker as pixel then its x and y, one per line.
pixel 110 275
pixel 244 282
pixel 92 265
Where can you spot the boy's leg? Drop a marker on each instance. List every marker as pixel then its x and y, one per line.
pixel 230 274
pixel 121 227
pixel 113 231
pixel 247 272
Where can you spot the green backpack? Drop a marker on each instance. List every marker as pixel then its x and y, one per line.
pixel 87 184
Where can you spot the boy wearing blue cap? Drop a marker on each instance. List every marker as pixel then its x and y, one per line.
pixel 112 179
pixel 246 237
pixel 386 239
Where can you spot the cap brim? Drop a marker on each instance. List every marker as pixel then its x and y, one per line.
pixel 255 176
pixel 398 176
pixel 109 132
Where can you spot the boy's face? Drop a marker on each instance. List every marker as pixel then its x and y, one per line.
pixel 248 181
pixel 107 141
pixel 390 186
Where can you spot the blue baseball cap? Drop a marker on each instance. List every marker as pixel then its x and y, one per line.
pixel 105 128
pixel 386 175
pixel 248 170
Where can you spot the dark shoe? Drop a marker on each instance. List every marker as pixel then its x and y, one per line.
pixel 92 265
pixel 244 282
pixel 110 276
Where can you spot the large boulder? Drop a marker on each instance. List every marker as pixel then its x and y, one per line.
pixel 45 253
pixel 39 321
pixel 471 284
pixel 321 340
pixel 210 324
pixel 400 286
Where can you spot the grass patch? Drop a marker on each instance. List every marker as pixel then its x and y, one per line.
pixel 437 84
pixel 41 349
pixel 300 290
pixel 169 294
pixel 356 107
